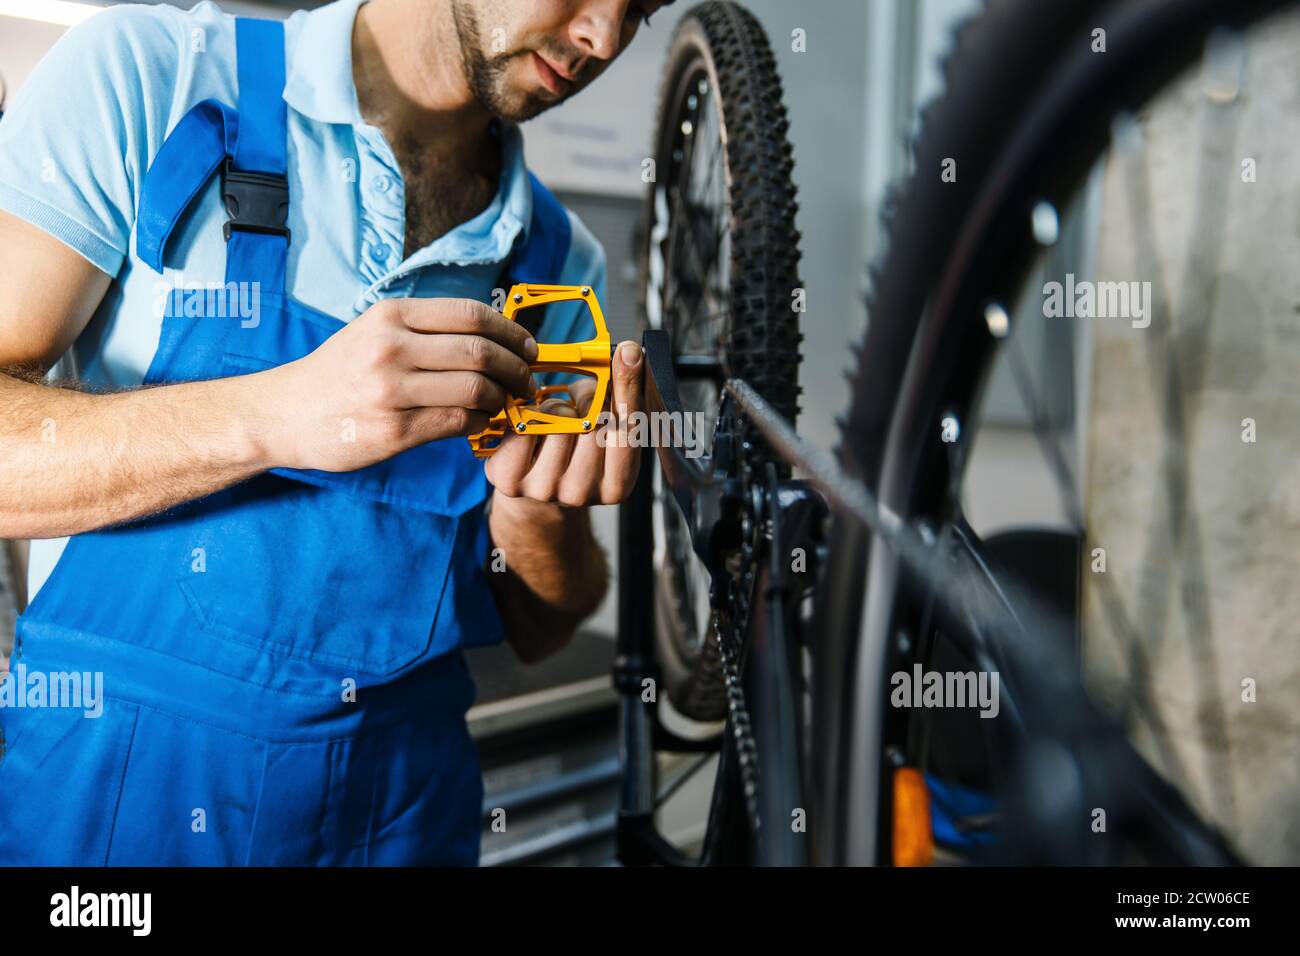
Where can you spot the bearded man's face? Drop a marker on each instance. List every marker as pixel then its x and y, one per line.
pixel 524 56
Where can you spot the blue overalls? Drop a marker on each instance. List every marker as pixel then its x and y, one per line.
pixel 282 674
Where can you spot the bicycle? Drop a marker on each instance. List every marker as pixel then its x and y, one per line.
pixel 900 578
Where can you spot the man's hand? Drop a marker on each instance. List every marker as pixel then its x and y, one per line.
pixel 407 371
pixel 574 470
pixel 556 574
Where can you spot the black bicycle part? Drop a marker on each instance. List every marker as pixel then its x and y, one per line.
pixel 719 268
pixel 717 507
pixel 718 281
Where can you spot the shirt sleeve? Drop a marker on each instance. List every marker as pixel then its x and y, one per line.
pixel 78 138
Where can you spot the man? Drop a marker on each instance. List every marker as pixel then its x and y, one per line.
pixel 270 556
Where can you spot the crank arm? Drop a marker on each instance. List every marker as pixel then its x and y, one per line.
pixel 706 488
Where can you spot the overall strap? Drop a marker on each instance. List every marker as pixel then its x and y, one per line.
pixel 540 258
pixel 192 152
pixel 249 147
pixel 254 185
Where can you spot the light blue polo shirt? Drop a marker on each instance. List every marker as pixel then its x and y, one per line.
pixel 85 126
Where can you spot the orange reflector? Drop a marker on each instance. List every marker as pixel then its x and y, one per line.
pixel 913 837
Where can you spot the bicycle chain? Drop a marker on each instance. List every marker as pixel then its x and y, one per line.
pixel 741 725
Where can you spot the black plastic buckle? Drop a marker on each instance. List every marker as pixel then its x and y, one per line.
pixel 255 202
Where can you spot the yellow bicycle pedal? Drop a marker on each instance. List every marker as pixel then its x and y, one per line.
pixel 496 428
pixel 590 358
pixel 484 443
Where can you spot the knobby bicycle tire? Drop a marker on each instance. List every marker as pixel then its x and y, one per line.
pixel 720 92
pixel 759 340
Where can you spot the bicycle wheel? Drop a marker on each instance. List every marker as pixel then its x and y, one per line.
pixel 719 268
pixel 719 272
pixel 1010 163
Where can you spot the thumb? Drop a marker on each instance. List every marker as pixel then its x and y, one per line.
pixel 627 371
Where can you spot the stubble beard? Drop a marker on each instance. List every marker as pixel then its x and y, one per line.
pixel 486 75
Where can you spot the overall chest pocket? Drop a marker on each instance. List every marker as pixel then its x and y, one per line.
pixel 345 570
pixel 308 572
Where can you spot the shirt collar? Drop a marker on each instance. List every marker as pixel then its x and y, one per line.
pixel 319 81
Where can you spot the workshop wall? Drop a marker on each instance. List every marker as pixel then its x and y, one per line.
pixel 1212 587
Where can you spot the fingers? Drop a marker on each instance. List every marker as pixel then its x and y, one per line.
pixel 625 376
pixel 533 466
pixel 511 467
pixel 559 406
pixel 580 484
pixel 573 469
pixel 427 424
pixel 467 317
pixel 543 479
pixel 472 353
pixel 621 461
pixel 582 391
pixel 472 390
pixel 509 464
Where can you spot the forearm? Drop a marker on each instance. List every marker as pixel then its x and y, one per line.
pixel 74 461
pixel 555 575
